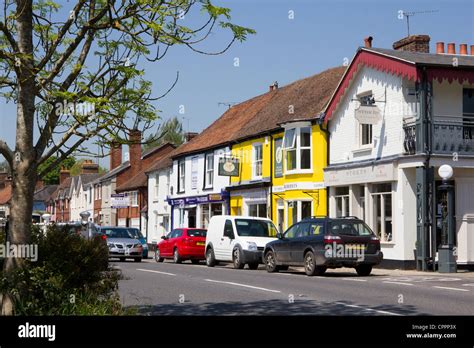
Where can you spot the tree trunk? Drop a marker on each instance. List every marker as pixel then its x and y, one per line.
pixel 24 169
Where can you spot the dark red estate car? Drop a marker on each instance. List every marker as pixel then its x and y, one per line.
pixel 182 244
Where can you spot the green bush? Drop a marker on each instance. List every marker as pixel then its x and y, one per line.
pixel 72 276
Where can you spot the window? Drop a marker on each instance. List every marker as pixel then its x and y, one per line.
pixel 157 183
pixel 342 201
pixel 258 210
pixel 228 229
pixel 181 175
pixel 133 198
pixel 168 180
pixel 292 231
pixel 297 145
pixel 205 215
pixel 365 130
pixel 90 194
pixel 255 228
pixel 209 181
pixel 468 113
pixel 257 161
pixel 382 201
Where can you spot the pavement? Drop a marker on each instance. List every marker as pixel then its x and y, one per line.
pixel 153 288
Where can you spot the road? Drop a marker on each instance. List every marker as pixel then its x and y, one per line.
pixel 187 289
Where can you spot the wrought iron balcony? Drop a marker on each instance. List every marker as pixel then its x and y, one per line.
pixel 450 135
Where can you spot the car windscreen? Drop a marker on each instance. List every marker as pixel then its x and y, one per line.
pixel 117 233
pixel 135 233
pixel 350 228
pixel 197 233
pixel 255 228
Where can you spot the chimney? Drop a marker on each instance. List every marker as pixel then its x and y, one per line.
pixel 135 151
pixel 463 49
pixel 413 43
pixel 89 167
pixel 63 175
pixel 115 155
pixel 368 41
pixel 189 136
pixel 451 48
pixel 472 50
pixel 440 47
pixel 39 184
pixel 274 86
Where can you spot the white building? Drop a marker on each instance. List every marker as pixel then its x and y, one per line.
pixel 197 192
pixel 82 195
pixel 395 118
pixel 159 211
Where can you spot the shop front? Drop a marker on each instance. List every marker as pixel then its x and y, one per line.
pixel 250 202
pixel 196 211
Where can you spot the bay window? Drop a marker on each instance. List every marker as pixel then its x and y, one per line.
pixel 297 146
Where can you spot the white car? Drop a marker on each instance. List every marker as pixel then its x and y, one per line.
pixel 238 239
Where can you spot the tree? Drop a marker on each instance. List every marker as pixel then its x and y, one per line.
pixel 74 74
pixel 52 176
pixel 170 131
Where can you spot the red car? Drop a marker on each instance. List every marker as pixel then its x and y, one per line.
pixel 182 244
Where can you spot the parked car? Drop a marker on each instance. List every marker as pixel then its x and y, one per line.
pixel 136 233
pixel 122 243
pixel 79 229
pixel 236 239
pixel 322 243
pixel 182 244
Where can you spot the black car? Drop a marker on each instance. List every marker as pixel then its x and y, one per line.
pixel 319 243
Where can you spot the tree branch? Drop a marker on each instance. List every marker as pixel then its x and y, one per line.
pixel 6 152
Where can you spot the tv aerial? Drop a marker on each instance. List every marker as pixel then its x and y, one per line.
pixel 228 104
pixel 408 14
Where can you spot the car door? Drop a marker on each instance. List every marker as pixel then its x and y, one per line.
pixel 283 249
pixel 166 247
pixel 309 235
pixel 225 242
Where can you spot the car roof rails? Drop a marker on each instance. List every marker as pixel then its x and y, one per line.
pixel 315 217
pixel 349 217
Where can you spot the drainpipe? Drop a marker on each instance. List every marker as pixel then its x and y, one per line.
pixel 271 176
pixel 326 131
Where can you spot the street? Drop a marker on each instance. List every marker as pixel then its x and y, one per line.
pixel 187 289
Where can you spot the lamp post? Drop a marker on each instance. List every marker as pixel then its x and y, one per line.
pixel 447 261
pixel 86 226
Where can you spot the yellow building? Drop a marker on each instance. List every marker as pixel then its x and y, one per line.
pixel 282 152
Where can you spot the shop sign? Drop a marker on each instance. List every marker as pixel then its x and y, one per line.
pixel 229 166
pixel 368 114
pixel 119 200
pixel 278 155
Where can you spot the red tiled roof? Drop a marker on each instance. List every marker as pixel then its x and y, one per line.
pixel 307 98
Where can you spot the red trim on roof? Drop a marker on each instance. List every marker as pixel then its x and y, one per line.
pixel 450 74
pixel 372 60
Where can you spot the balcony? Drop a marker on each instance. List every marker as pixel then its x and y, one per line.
pixel 451 135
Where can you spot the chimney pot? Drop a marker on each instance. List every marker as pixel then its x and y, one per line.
pixel 440 47
pixel 463 49
pixel 368 41
pixel 451 48
pixel 472 50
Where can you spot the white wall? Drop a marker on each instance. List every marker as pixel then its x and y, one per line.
pixel 220 182
pixel 158 207
pixel 388 134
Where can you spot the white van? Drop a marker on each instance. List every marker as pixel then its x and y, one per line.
pixel 238 239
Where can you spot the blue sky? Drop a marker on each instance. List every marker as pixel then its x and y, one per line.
pixel 321 35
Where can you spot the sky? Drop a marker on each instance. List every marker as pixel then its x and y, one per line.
pixel 294 39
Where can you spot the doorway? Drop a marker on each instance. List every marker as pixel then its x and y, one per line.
pixel 192 218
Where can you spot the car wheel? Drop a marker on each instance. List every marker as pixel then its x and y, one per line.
pixel 237 259
pixel 253 265
pixel 157 256
pixel 195 262
pixel 176 257
pixel 139 259
pixel 210 258
pixel 270 262
pixel 363 270
pixel 122 259
pixel 310 267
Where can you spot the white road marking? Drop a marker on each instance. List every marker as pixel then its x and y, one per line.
pixel 399 283
pixel 469 284
pixel 149 270
pixel 446 288
pixel 242 285
pixel 368 309
pixel 355 279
